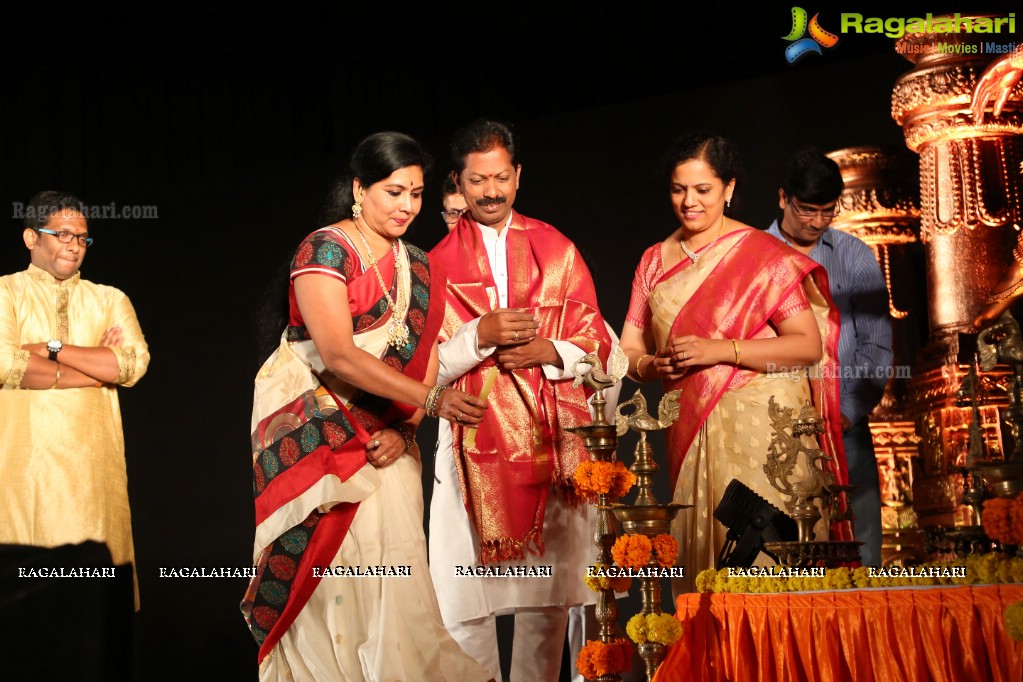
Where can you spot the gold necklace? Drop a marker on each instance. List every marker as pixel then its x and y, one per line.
pixel 693 256
pixel 397 330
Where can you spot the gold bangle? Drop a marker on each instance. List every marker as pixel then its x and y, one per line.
pixel 57 379
pixel 738 355
pixel 639 363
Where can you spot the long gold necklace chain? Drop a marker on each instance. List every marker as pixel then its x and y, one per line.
pixel 397 330
pixel 693 256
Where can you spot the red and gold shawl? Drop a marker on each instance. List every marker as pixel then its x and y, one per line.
pixel 736 300
pixel 521 446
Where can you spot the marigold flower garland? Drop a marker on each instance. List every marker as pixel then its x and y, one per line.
pixel 635 551
pixel 662 628
pixel 597 658
pixel 990 568
pixel 603 478
pixel 1003 520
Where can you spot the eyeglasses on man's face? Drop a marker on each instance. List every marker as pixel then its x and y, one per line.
pixel 65 236
pixel 806 213
pixel 452 215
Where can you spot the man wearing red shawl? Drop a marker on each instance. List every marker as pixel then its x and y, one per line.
pixel 521 309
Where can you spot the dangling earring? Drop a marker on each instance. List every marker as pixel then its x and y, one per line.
pixel 728 202
pixel 356 209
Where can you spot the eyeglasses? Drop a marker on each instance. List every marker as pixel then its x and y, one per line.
pixel 452 215
pixel 65 237
pixel 804 213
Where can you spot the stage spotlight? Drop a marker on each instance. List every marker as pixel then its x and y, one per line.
pixel 751 521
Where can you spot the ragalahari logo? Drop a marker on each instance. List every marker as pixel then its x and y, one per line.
pixel 802 46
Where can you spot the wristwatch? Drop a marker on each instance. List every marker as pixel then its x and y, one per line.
pixel 54 346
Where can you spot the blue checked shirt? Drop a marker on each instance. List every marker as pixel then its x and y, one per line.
pixel 865 341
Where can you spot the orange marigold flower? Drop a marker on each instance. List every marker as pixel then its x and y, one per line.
pixel 623 480
pixel 597 658
pixel 1003 520
pixel 665 549
pixel 632 551
pixel 602 478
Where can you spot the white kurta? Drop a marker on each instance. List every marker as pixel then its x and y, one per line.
pixel 567 531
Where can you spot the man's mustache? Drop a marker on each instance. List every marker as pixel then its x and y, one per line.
pixel 491 201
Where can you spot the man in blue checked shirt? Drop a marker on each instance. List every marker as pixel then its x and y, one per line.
pixel 809 202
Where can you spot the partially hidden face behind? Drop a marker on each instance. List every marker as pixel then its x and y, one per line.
pixel 805 223
pixel 454 206
pixel 489 182
pixel 390 205
pixel 49 253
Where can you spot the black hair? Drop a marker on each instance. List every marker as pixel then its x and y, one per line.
pixel 43 205
pixel 373 160
pixel 713 149
pixel 449 186
pixel 482 135
pixel 812 177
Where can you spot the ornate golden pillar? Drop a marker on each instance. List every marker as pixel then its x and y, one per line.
pixel 880 204
pixel 970 216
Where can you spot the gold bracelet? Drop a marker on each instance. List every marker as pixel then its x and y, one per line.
pixel 56 380
pixel 738 355
pixel 639 369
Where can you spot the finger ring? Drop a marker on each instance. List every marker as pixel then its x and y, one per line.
pixel 684 357
pixel 516 334
pixel 459 417
pixel 376 443
pixel 383 460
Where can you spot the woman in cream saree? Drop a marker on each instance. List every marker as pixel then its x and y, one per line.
pixel 732 317
pixel 343 591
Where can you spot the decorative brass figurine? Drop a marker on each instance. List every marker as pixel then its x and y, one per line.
pixel 1003 342
pixel 783 457
pixel 640 421
pixel 809 494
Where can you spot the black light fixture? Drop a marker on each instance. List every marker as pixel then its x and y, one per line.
pixel 751 521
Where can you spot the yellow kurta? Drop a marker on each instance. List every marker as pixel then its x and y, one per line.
pixel 62 470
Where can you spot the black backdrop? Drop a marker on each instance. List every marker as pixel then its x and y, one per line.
pixel 232 118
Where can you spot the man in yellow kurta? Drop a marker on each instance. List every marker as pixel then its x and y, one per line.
pixel 66 344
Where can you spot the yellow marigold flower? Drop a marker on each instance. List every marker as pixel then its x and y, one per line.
pixel 1014 621
pixel 636 628
pixel 861 577
pixel 663 628
pixel 1016 570
pixel 705 580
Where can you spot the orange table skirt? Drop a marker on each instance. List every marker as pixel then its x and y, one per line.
pixel 934 633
